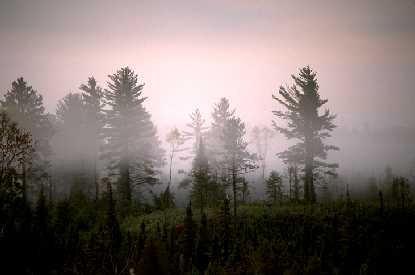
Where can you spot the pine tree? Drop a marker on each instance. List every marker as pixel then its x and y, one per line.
pixel 294 182
pixel 92 98
pixel 197 130
pixel 175 140
pixel 237 159
pixel 70 142
pixel 112 232
pixel 204 191
pixel 132 148
pixel 215 142
pixel 227 149
pixel 302 103
pixel 274 187
pixel 25 107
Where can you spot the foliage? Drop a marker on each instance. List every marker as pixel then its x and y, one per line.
pixel 25 107
pixel 15 150
pixel 304 123
pixel 93 100
pixel 273 188
pixel 205 191
pixel 132 146
pixel 196 131
pixel 175 140
pixel 81 233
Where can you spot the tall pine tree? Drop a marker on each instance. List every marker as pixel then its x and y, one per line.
pixel 69 143
pixel 227 148
pixel 237 159
pixel 175 140
pixel 132 147
pixel 93 98
pixel 24 105
pixel 306 124
pixel 215 143
pixel 205 192
pixel 196 129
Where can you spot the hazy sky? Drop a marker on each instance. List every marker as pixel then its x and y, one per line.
pixel 191 53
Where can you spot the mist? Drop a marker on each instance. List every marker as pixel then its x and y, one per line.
pixel 207 137
pixel 191 53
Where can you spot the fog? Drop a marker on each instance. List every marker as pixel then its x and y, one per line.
pixel 190 54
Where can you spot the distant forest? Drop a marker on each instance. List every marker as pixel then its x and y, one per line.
pixel 82 191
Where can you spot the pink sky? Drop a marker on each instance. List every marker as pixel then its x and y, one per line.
pixel 191 53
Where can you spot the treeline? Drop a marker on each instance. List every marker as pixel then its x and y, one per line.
pixel 106 135
pixel 71 184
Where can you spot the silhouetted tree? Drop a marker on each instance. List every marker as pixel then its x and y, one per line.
pixel 274 187
pixel 70 141
pixel 15 150
pixel 175 140
pixel 197 130
pixel 25 107
pixel 215 145
pixel 294 182
pixel 93 99
pixel 132 145
pixel 302 103
pixel 204 191
pixel 237 159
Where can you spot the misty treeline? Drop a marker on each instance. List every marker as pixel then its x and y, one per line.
pixel 74 189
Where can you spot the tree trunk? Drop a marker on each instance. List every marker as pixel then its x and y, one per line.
pixel 96 181
pixel 234 190
pixel 125 185
pixel 296 185
pixel 171 161
pixel 309 194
